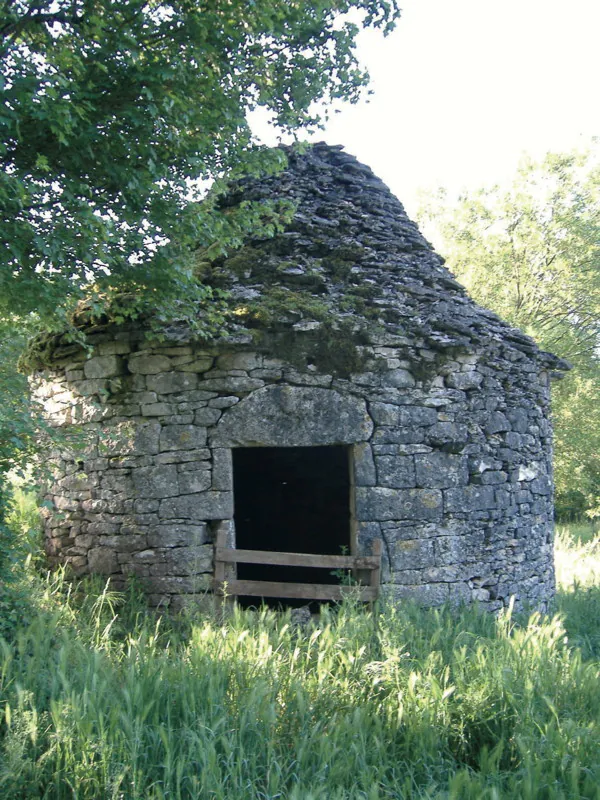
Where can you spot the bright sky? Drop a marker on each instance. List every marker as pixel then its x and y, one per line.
pixel 464 87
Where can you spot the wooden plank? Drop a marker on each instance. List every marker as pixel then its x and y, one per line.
pixel 295 559
pixel 219 568
pixel 302 591
pixel 376 573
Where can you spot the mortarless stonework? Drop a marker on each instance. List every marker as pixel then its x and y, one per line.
pixel 348 330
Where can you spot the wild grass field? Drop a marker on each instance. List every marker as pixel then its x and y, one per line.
pixel 99 700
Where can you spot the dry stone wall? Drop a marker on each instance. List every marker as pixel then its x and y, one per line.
pixel 452 463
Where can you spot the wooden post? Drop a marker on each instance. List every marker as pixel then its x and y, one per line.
pixel 219 578
pixel 376 573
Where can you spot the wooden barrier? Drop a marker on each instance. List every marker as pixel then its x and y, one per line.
pixel 365 569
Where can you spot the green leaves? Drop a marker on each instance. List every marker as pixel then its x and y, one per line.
pixel 114 114
pixel 531 252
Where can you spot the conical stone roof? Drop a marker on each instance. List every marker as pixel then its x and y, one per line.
pixel 350 257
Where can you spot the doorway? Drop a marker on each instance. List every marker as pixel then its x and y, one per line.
pixel 291 499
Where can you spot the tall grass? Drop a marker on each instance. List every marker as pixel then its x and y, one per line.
pixel 98 699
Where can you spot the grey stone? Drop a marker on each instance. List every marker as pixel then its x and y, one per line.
pixel 182 456
pixel 412 554
pixel 102 560
pixel 464 380
pixel 202 364
pixel 222 469
pixel 398 378
pixel 196 481
pixel 103 367
pixel 182 437
pixel 171 382
pixel 189 560
pixel 234 384
pixel 156 482
pixel 147 364
pixel 402 416
pixel 377 503
pixel 202 506
pixel 293 416
pixel 497 422
pixel 364 466
pixel 441 470
pixel 448 435
pixel 157 409
pixel 397 472
pixel 207 416
pixel 174 535
pixel 469 498
pixel 519 420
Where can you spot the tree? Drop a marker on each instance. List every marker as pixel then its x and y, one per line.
pixel 115 114
pixel 531 252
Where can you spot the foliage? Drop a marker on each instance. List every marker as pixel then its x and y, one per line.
pixel 115 115
pixel 531 252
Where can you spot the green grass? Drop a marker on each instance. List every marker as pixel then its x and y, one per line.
pixel 100 700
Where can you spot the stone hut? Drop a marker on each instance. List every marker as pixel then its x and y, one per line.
pixel 358 394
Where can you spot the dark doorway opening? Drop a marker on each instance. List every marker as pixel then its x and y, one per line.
pixel 291 499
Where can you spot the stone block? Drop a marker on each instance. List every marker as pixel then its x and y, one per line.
pixel 202 364
pixel 497 422
pixel 171 382
pixel 157 409
pixel 233 384
pixel 243 361
pixel 222 469
pixel 191 560
pixel 464 380
pixel 207 416
pixel 202 506
pixel 114 348
pixel 182 437
pixel 469 498
pixel 91 387
pixel 449 435
pixel 156 482
pixel 396 472
pixel 378 503
pixel 103 367
pixel 398 379
pixel 182 456
pixel 223 402
pixel 173 535
pixel 294 416
pixel 412 554
pixel 541 485
pixel 148 364
pixel 364 466
pixel 402 416
pixel 194 481
pixel 519 420
pixel 398 436
pixel 441 470
pixel 102 561
pixel 491 477
pixel 429 594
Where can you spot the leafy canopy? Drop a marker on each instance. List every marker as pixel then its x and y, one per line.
pixel 531 252
pixel 115 114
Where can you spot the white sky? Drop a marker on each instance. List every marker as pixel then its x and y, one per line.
pixel 464 87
